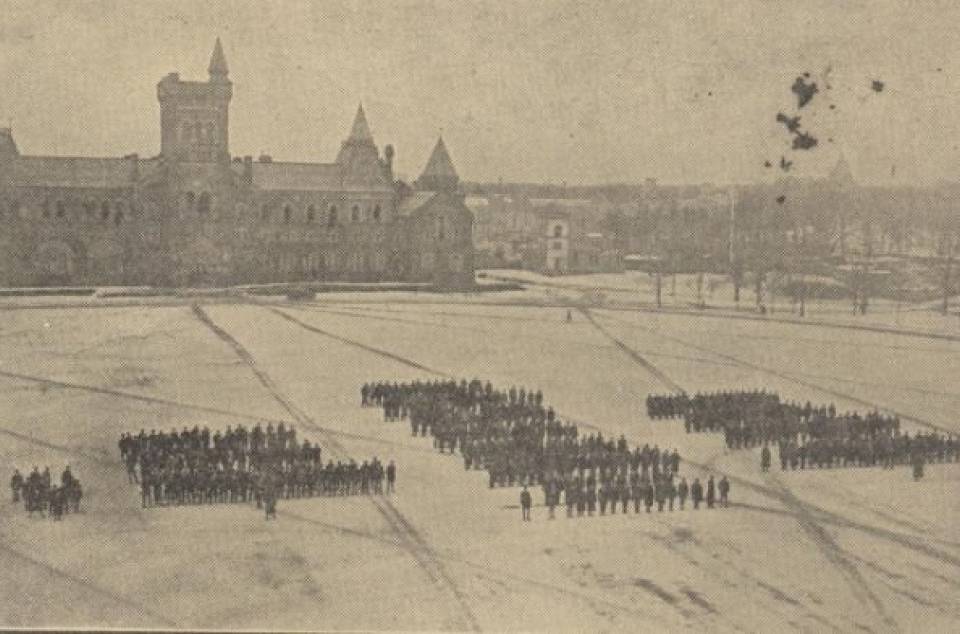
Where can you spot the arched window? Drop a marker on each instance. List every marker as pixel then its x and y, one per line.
pixel 311 213
pixel 287 213
pixel 376 213
pixel 265 212
pixel 89 208
pixel 104 211
pixel 355 213
pixel 558 231
pixel 332 218
pixel 203 205
pixel 61 209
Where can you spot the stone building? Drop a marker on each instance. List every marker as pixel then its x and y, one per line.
pixel 194 216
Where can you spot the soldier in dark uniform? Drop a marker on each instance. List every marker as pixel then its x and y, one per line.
pixel 526 502
pixel 16 484
pixel 671 491
pixel 765 458
pixel 682 490
pixel 591 499
pixel 581 501
pixel 570 491
pixel 696 493
pixel 391 477
pixel 602 494
pixel 724 487
pixel 648 494
pixel 711 492
pixel 661 493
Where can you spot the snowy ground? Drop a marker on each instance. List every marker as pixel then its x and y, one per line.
pixel 841 550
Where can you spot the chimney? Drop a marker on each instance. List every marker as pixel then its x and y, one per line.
pixel 248 171
pixel 134 160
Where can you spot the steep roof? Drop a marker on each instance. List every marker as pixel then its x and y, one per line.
pixel 415 202
pixel 76 172
pixel 360 132
pixel 275 176
pixel 440 164
pixel 218 61
pixel 8 147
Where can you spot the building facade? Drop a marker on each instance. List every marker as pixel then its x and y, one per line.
pixel 194 216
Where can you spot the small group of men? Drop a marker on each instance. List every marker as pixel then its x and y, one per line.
pixel 583 497
pixel 41 495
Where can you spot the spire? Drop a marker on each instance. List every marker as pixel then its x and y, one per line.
pixel 8 147
pixel 360 133
pixel 218 62
pixel 841 173
pixel 439 174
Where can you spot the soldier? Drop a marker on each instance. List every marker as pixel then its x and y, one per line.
pixel 696 493
pixel 682 490
pixel 391 477
pixel 917 465
pixel 648 494
pixel 711 492
pixel 765 458
pixel 551 496
pixel 671 492
pixel 602 494
pixel 661 494
pixel 724 487
pixel 270 502
pixel 525 503
pixel 16 484
pixel 591 500
pixel 570 496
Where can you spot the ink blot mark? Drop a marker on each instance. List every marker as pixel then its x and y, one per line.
pixel 804 141
pixel 781 199
pixel 792 123
pixel 877 85
pixel 804 91
pixel 785 165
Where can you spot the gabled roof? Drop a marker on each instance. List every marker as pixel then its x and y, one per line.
pixel 303 176
pixel 8 147
pixel 415 202
pixel 78 172
pixel 275 176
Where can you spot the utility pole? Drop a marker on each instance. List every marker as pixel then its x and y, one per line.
pixel 734 270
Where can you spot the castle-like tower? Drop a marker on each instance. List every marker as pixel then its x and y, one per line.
pixel 195 116
pixel 194 215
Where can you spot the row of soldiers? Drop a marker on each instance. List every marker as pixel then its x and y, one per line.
pixel 197 449
pixel 882 450
pixel 41 495
pixel 583 496
pixel 512 435
pixel 806 435
pixel 184 468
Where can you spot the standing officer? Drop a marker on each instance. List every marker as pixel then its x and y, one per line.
pixel 525 503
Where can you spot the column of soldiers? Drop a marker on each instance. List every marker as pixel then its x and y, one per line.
pixel 41 495
pixel 806 436
pixel 519 441
pixel 196 467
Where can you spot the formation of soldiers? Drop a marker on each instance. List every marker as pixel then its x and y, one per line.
pixel 239 465
pixel 806 436
pixel 522 442
pixel 43 496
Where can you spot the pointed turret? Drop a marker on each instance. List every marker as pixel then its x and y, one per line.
pixel 841 174
pixel 8 147
pixel 360 132
pixel 439 174
pixel 218 63
pixel 359 155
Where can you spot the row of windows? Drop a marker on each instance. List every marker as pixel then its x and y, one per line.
pixel 88 210
pixel 312 215
pixel 357 262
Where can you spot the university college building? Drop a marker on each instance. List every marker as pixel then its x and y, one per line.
pixel 194 216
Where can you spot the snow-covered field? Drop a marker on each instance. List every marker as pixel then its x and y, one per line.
pixel 839 550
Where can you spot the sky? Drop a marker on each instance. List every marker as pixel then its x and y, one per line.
pixel 577 92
